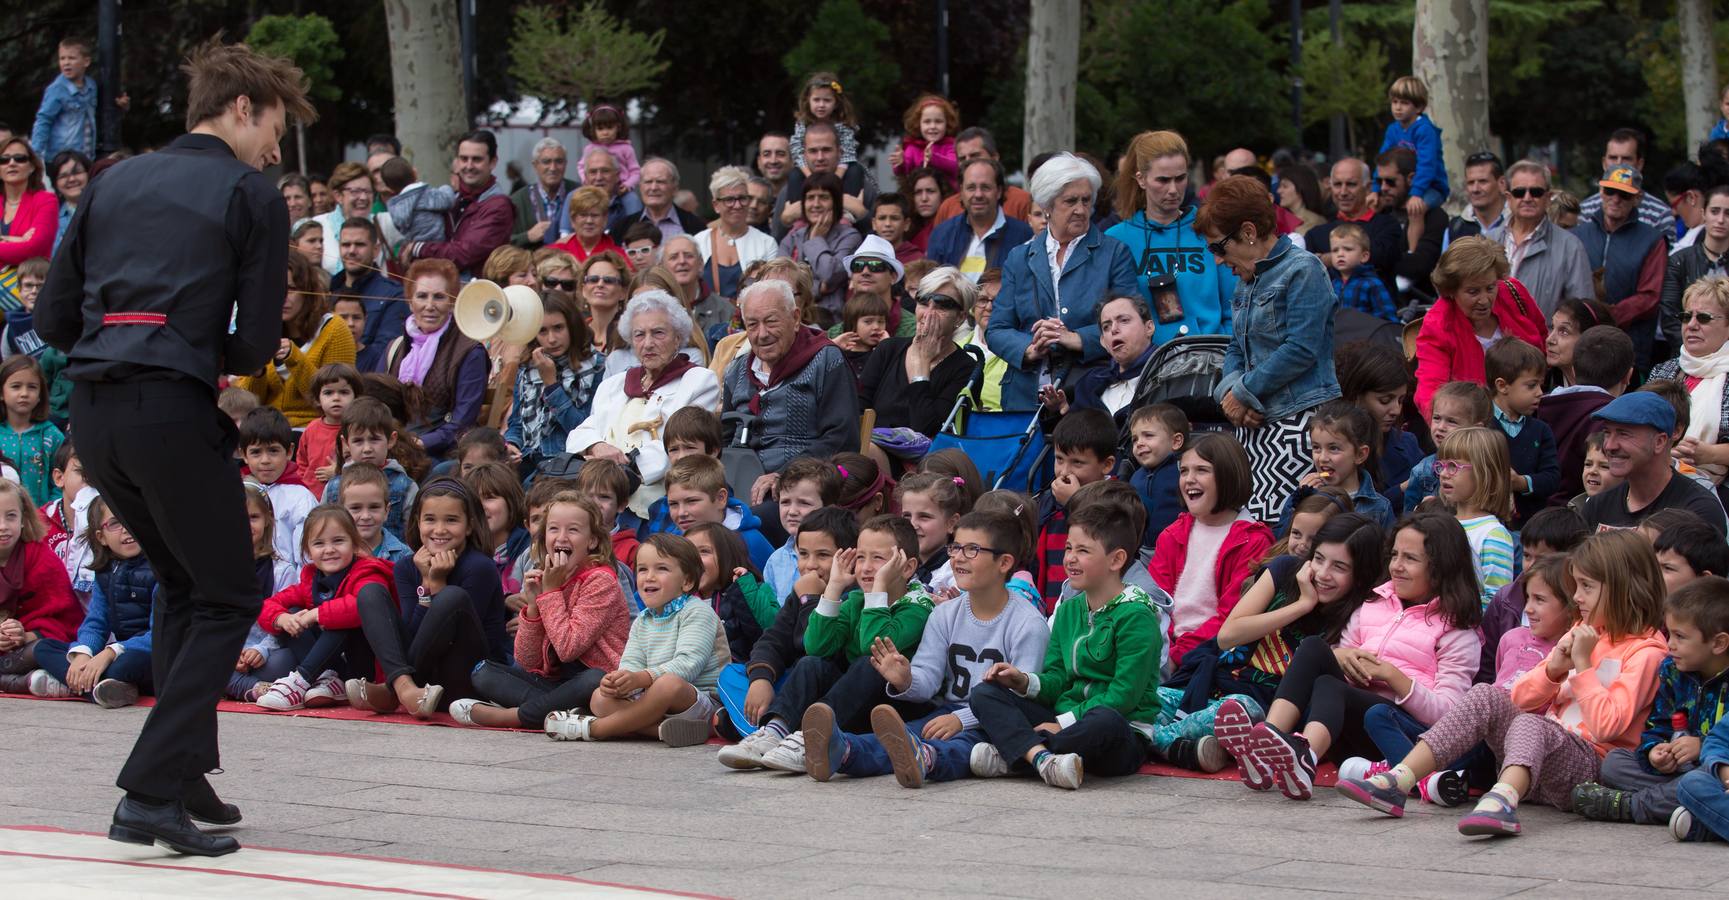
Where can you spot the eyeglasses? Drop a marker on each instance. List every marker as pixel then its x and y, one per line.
pixel 560 284
pixel 1520 193
pixel 971 551
pixel 69 173
pixel 115 526
pixel 19 158
pixel 602 279
pixel 940 301
pixel 1704 318
pixel 1451 467
pixel 738 200
pixel 1218 246
pixel 873 266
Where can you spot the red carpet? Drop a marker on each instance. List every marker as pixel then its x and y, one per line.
pixel 1326 776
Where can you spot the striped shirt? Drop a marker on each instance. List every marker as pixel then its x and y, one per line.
pixel 690 643
pixel 1492 550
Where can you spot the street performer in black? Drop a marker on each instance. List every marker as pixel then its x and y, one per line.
pixel 144 314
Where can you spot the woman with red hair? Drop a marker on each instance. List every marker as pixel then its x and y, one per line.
pixel 450 368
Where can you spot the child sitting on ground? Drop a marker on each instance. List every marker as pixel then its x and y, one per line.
pixel 607 484
pixel 265 439
pixel 1160 430
pixel 1515 371
pixel 365 493
pixel 67 520
pixel 262 659
pixel 1689 551
pixel 39 604
pixel 570 635
pixel 663 686
pixel 1596 477
pixel 806 485
pixel 933 503
pixel 960 644
pixel 1640 785
pixel 29 439
pixel 334 387
pixel 118 622
pixel 1552 532
pixel 1203 559
pixel 1100 678
pixel 1473 468
pixel 370 435
pixel 1126 503
pixel 730 584
pixel 691 431
pixel 477 447
pixel 1085 443
pixel 501 497
pixel 1457 404
pixel 1375 376
pixel 1597 685
pixel 696 492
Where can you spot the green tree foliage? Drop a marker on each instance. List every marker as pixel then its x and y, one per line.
pixel 1658 50
pixel 844 40
pixel 1347 78
pixel 1210 70
pixel 588 56
pixel 310 41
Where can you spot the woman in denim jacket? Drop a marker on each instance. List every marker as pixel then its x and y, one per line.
pixel 1279 366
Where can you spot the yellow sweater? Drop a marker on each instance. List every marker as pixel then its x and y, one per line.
pixel 293 396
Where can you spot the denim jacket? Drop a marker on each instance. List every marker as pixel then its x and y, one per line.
pixel 1280 360
pixel 66 120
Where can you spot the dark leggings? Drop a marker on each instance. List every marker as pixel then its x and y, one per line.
pixel 444 650
pixel 1316 685
pixel 532 695
pixel 345 650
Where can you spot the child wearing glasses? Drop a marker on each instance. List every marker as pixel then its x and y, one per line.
pixel 109 660
pixel 1474 470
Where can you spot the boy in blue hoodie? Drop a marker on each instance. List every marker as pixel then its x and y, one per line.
pixel 1411 127
pixel 691 431
pixel 1186 288
pixel 696 492
pixel 1159 431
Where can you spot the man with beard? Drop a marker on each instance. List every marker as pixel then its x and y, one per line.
pixel 1422 246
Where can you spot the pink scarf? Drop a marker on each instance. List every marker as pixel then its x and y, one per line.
pixel 418 361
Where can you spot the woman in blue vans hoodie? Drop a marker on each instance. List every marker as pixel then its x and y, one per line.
pixel 1159 229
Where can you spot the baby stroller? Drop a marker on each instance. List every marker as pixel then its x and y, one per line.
pixel 1007 446
pixel 1183 372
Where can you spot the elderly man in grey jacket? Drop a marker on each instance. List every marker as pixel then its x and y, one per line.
pixel 1550 262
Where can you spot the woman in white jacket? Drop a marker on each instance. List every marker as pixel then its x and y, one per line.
pixel 631 408
pixel 729 245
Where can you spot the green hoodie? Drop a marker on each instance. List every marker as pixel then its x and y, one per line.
pixel 852 624
pixel 764 605
pixel 1105 658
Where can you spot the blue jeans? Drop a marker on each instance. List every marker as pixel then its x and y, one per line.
pixel 865 756
pixel 132 667
pixel 277 663
pixel 1703 795
pixel 1395 733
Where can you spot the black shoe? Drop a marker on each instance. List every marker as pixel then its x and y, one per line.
pixel 1203 754
pixel 1602 803
pixel 202 804
pixel 166 826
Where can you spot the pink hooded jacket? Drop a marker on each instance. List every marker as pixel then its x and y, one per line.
pixel 1439 660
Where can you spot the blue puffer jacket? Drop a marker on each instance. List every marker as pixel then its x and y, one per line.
pixel 120 606
pixel 1280 359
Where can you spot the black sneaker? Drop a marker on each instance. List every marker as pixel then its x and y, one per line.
pixel 1202 754
pixel 1287 757
pixel 1602 803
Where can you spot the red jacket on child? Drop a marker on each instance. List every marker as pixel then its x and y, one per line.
pixel 1244 547
pixel 586 621
pixel 341 611
pixel 624 544
pixel 316 450
pixel 35 590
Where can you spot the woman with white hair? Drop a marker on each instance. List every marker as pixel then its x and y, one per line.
pixel 1046 316
pixel 631 407
pixel 729 244
pixel 913 381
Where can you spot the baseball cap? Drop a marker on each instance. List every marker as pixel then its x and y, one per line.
pixel 1623 178
pixel 874 247
pixel 1639 408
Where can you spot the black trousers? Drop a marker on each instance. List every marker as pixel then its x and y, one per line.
pixel 1316 685
pixel 534 696
pixel 343 649
pixel 162 455
pixel 444 650
pixel 1101 736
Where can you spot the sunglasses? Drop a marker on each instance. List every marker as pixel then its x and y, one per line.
pixel 602 279
pixel 560 284
pixel 1704 318
pixel 1482 158
pixel 971 551
pixel 1612 194
pixel 1218 246
pixel 940 301
pixel 1520 193
pixel 19 158
pixel 873 266
pixel 1451 467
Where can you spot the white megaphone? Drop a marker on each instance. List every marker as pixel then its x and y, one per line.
pixel 484 311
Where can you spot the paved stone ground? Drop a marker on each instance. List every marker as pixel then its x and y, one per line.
pixel 643 814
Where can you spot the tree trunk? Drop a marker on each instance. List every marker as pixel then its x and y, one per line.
pixel 426 77
pixel 1698 67
pixel 1450 52
pixel 1053 54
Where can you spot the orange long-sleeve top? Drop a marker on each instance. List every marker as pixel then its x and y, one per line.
pixel 1607 703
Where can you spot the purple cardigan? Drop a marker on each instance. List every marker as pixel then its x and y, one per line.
pixel 467 397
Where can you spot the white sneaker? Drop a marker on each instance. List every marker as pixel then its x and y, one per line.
pixel 787 756
pixel 986 762
pixel 43 684
pixel 327 691
pixel 567 725
pixel 1062 770
pixel 288 693
pixel 1681 824
pixel 748 753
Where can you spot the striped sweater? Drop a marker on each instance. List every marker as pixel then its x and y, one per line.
pixel 1492 551
pixel 689 643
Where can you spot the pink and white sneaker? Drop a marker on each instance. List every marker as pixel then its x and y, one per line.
pixel 1232 725
pixel 287 694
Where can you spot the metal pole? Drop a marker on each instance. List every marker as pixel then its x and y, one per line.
pixel 465 16
pixel 1297 60
pixel 1336 129
pixel 108 76
pixel 943 47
